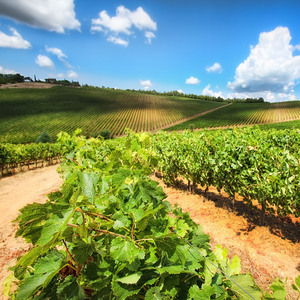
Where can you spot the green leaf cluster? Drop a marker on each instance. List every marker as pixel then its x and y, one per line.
pixel 14 155
pixel 258 165
pixel 108 234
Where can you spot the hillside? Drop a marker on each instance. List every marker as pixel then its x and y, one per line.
pixel 25 113
pixel 241 114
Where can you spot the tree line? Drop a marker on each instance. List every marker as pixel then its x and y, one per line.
pixel 18 78
pixel 15 78
pixel 11 78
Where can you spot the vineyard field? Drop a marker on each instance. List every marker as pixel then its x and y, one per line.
pixel 109 233
pixel 25 113
pixel 282 125
pixel 243 114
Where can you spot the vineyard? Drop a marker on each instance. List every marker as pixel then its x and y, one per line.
pixel 243 114
pixel 19 156
pixel 108 233
pixel 26 113
pixel 257 165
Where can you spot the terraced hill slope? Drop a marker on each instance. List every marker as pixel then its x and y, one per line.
pixel 25 113
pixel 241 114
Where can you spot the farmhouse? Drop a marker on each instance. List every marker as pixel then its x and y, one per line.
pixel 50 80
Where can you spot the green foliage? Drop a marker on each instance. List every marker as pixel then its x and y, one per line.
pixel 44 137
pixel 25 113
pixel 261 165
pixel 108 234
pixel 13 156
pixel 246 114
pixel 11 78
pixel 105 133
pixel 281 126
pixel 296 285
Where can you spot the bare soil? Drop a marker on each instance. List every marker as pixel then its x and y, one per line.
pixel 266 251
pixel 28 85
pixel 15 192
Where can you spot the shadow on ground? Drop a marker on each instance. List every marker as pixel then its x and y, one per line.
pixel 285 227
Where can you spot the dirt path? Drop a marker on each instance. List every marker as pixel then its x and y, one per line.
pixel 266 252
pixel 15 192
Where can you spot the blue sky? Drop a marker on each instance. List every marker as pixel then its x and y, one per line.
pixel 227 48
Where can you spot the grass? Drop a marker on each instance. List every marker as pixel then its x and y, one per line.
pixel 26 113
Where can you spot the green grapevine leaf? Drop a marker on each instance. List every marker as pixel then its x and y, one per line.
pixel 131 279
pixel 7 284
pixel 69 289
pixel 297 281
pixel 172 269
pixel 296 286
pixel 40 222
pixel 246 281
pixel 125 250
pixel 221 255
pixel 234 267
pixel 82 251
pixel 279 291
pixel 57 223
pixel 154 294
pixel 45 269
pixel 88 183
pixel 201 294
pixel 122 291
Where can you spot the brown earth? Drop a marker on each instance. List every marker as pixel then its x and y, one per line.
pixel 28 85
pixel 266 251
pixel 15 192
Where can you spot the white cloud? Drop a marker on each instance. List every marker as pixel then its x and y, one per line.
pixel 266 95
pixel 146 84
pixel 149 36
pixel 180 91
pixel 124 22
pixel 53 15
pixel 192 80
pixel 56 52
pixel 13 41
pixel 6 71
pixel 270 67
pixel 208 92
pixel 59 76
pixel 60 55
pixel 44 61
pixel 118 41
pixel 215 68
pixel 72 74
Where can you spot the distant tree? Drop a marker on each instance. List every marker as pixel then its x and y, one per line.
pixel 192 127
pixel 28 79
pixel 44 137
pixel 75 84
pixel 11 78
pixel 105 133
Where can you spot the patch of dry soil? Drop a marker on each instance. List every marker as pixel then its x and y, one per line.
pixel 15 192
pixel 28 85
